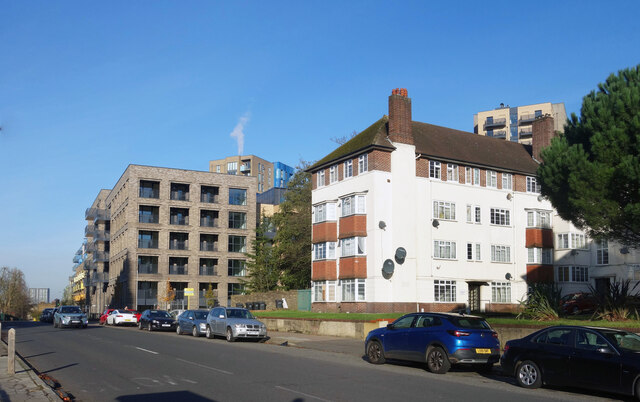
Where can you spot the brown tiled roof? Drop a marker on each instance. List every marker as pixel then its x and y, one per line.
pixel 441 143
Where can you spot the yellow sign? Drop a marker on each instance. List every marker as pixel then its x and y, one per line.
pixel 188 291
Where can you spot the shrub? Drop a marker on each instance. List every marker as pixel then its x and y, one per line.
pixel 615 302
pixel 542 302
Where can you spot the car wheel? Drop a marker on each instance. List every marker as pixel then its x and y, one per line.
pixel 149 327
pixel 575 310
pixel 140 326
pixel 437 360
pixel 178 331
pixel 194 331
pixel 375 354
pixel 55 324
pixel 528 375
pixel 209 334
pixel 230 337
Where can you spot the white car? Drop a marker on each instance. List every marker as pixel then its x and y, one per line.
pixel 122 317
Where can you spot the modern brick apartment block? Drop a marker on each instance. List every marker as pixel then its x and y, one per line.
pixel 182 228
pixel 97 249
pixel 269 174
pixel 516 123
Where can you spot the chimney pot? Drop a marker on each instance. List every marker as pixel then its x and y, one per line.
pixel 400 117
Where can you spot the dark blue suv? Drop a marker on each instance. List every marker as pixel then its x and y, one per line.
pixel 438 339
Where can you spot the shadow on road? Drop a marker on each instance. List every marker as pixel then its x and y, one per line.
pixel 39 354
pixel 165 396
pixel 59 368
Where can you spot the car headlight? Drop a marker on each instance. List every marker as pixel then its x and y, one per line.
pixel 203 326
pixel 155 321
pixel 240 326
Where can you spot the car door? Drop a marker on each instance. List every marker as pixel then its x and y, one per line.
pixel 423 331
pixel 395 341
pixel 552 351
pixel 594 362
pixel 221 321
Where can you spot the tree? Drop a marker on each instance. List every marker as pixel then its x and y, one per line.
pixel 67 295
pixel 591 173
pixel 262 262
pixel 169 296
pixel 292 241
pixel 210 296
pixel 14 294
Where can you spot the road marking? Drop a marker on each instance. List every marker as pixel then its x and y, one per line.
pixel 207 367
pixel 146 350
pixel 302 393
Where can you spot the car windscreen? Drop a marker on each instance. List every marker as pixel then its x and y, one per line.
pixel 200 315
pixel 237 313
pixel 159 314
pixel 70 310
pixel 624 340
pixel 128 312
pixel 470 322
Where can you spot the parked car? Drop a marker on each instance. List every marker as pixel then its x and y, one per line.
pixel 438 339
pixel 105 314
pixel 122 317
pixel 588 357
pixel 70 316
pixel 176 313
pixel 156 320
pixel 192 321
pixel 46 315
pixel 576 303
pixel 234 323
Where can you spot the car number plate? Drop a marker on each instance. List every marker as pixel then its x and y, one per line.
pixel 483 351
pixel 253 332
pixel 166 325
pixel 75 321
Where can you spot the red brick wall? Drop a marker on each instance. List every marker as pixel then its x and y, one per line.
pixel 354 225
pixel 353 267
pixel 325 231
pixel 422 167
pixel 400 118
pixel 539 273
pixel 543 132
pixel 520 183
pixel 380 160
pixel 539 238
pixel 502 308
pixel 323 270
pixel 364 307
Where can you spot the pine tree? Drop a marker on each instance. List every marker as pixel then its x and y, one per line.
pixel 262 264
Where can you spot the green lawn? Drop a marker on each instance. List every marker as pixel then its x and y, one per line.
pixel 502 320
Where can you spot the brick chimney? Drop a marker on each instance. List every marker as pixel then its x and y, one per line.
pixel 543 132
pixel 400 117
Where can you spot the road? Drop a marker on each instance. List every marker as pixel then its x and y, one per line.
pixel 125 364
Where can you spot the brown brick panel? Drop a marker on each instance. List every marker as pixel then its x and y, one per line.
pixel 519 183
pixel 422 167
pixel 539 273
pixel 502 308
pixel 364 307
pixel 324 270
pixel 541 238
pixel 354 225
pixel 380 160
pixel 353 267
pixel 324 231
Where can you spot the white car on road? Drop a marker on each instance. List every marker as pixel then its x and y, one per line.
pixel 122 317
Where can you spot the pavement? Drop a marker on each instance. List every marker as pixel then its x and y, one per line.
pixel 350 346
pixel 24 385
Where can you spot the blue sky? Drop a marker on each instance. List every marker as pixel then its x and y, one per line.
pixel 87 88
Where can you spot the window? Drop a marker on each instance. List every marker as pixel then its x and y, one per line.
pixel 348 169
pixel 492 178
pixel 602 252
pixel 570 241
pixel 473 252
pixel 237 244
pixel 500 253
pixel 179 192
pixel 324 212
pixel 147 239
pixel 324 251
pixel 539 219
pixel 444 249
pixel 237 268
pixel 363 163
pixel 237 220
pixel 444 210
pixel 563 274
pixel 217 168
pixel 324 291
pixel 532 185
pixel 236 289
pixel 320 178
pixel 472 176
pixel 539 255
pixel 501 292
pixel 452 172
pixel 147 264
pixel 148 214
pixel 149 189
pixel 555 337
pixel 445 291
pixel 473 214
pixel 333 174
pixel 209 194
pixel 232 167
pixel 237 196
pixel 353 290
pixel 353 205
pixel 353 246
pixel 507 181
pixel 434 170
pixel 573 274
pixel 500 217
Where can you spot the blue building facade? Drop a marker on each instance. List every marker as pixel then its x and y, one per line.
pixel 281 174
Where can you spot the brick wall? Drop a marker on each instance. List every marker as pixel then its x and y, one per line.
pixel 354 225
pixel 324 270
pixel 543 132
pixel 539 238
pixel 502 308
pixel 422 167
pixel 364 307
pixel 380 160
pixel 353 267
pixel 400 117
pixel 539 273
pixel 325 231
pixel 291 296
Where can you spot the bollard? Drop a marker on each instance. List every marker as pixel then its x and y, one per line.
pixel 11 354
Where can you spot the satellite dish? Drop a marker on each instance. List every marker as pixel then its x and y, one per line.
pixel 509 196
pixel 574 252
pixel 388 268
pixel 508 276
pixel 401 253
pixel 435 223
pixel 624 250
pixel 382 225
pixel 540 198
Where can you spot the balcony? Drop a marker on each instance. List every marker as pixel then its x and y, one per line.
pixel 179 192
pixel 490 123
pixel 99 277
pixel 499 134
pixel 149 189
pixel 101 256
pixel 97 214
pixel 208 271
pixel 526 132
pixel 179 220
pixel 147 243
pixel 209 194
pixel 147 268
pixel 208 221
pixel 77 259
pixel 147 297
pixel 527 118
pixel 245 167
pixel 89 230
pixel 144 218
pixel 176 244
pixel 208 245
pixel 178 269
pixel 101 235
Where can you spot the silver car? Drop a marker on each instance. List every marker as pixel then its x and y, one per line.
pixel 234 323
pixel 192 321
pixel 70 316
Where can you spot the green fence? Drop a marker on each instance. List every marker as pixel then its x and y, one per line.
pixel 304 300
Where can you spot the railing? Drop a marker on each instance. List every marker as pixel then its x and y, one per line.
pixel 101 235
pixel 91 247
pixel 208 271
pixel 178 304
pixel 209 222
pixel 89 230
pixel 245 167
pixel 499 134
pixel 148 268
pixel 148 218
pixel 179 196
pixel 178 244
pixel 100 256
pixel 526 132
pixel 98 277
pixel 209 198
pixel 146 192
pixel 176 220
pixel 177 270
pixel 527 118
pixel 144 243
pixel 77 259
pixel 97 214
pixel 148 296
pixel 495 123
pixel 208 246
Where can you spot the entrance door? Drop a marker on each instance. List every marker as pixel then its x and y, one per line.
pixel 474 297
pixel 602 285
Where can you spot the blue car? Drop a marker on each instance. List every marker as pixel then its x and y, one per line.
pixel 439 339
pixel 193 322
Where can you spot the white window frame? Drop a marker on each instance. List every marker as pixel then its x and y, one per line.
pixel 602 252
pixel 363 163
pixel 500 253
pixel 353 205
pixel 573 273
pixel 474 214
pixel 353 290
pixel 500 217
pixel 353 246
pixel 539 219
pixel 321 182
pixel 333 174
pixel 532 185
pixel 564 274
pixel 472 176
pixel 348 169
pixel 500 292
pixel 444 210
pixel 324 212
pixel 537 255
pixel 444 291
pixel 435 170
pixel 324 251
pixel 507 181
pixel 326 290
pixel 571 241
pixel 492 178
pixel 453 172
pixel 473 252
pixel 444 249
